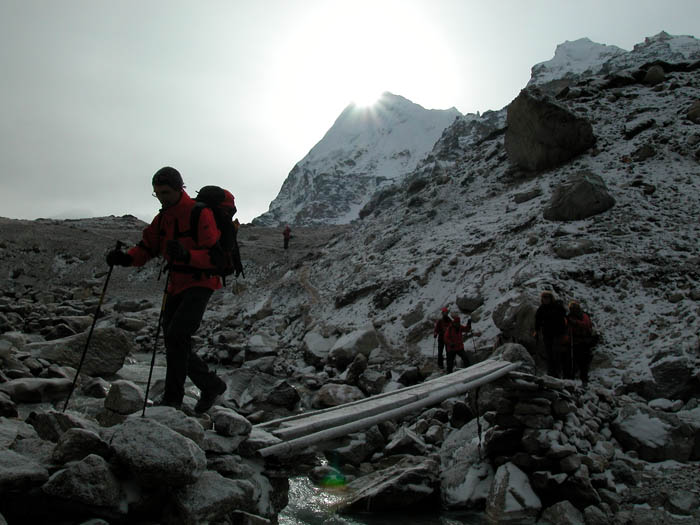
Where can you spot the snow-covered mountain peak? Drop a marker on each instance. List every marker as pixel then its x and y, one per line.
pixel 365 149
pixel 574 58
pixel 583 57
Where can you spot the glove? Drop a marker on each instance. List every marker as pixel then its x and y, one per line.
pixel 119 258
pixel 177 252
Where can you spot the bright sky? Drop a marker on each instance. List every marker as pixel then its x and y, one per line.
pixel 96 95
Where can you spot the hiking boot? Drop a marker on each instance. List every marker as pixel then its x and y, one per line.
pixel 208 398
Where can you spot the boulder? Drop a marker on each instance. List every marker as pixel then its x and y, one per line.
pixel 654 75
pixel 331 395
pixel 176 420
pixel 316 348
pixel 105 356
pixel 252 390
pixel 18 472
pixel 583 195
pixel 575 248
pixel 228 422
pixel 409 485
pixel 511 498
pixel 372 382
pixel 655 435
pixel 36 390
pixel 694 112
pixel 77 443
pixel 124 397
pixel 562 513
pixel 89 481
pixel 260 345
pixel 542 134
pixel 156 455
pixel 361 341
pixel 50 425
pixel 515 318
pixel 514 353
pixel 212 498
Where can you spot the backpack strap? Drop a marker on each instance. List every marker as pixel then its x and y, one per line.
pixel 194 221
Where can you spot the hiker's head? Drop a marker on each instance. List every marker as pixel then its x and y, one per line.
pixel 167 186
pixel 575 308
pixel 445 312
pixel 547 297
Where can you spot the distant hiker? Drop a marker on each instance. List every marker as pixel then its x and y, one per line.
pixel 286 233
pixel 582 341
pixel 454 342
pixel 439 333
pixel 189 287
pixel 550 320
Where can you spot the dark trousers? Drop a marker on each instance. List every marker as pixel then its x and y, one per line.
pixel 441 347
pixel 181 319
pixel 552 348
pixel 286 243
pixel 451 355
pixel 583 355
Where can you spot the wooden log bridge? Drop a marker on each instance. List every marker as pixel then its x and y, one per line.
pixel 313 428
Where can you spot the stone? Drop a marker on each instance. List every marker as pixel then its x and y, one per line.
pixel 108 348
pixel 515 316
pixel 410 485
pixel 511 498
pixel 212 498
pixel 562 513
pixel 316 348
pixel 124 397
pixel 36 390
pixel 693 113
pixel 18 472
pixel 655 435
pixel 348 346
pixel 331 395
pixel 473 489
pixel 541 134
pixel 583 195
pixel 77 443
pixel 229 423
pixel 157 455
pixel 89 481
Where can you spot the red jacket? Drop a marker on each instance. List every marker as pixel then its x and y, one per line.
pixel 454 340
pixel 164 227
pixel 580 327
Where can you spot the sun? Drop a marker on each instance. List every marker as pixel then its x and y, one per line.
pixel 366 98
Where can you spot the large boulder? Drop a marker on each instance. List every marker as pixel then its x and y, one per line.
pixel 512 499
pixel 156 455
pixel 412 484
pixel 583 195
pixel 36 389
pixel 105 355
pixel 252 390
pixel 212 499
pixel 89 481
pixel 316 348
pixel 18 472
pixel 542 134
pixel 331 395
pixel 655 435
pixel 515 318
pixel 361 341
pixel 694 112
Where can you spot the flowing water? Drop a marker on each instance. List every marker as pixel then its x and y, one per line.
pixel 311 505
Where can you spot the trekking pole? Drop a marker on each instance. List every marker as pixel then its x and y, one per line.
pixel 155 343
pixel 92 328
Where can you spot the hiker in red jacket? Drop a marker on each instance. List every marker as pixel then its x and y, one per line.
pixel 454 342
pixel 439 333
pixel 286 233
pixel 190 285
pixel 582 341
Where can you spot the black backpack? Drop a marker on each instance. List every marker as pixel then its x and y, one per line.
pixel 225 254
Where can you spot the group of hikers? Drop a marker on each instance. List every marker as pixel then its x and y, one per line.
pixel 568 338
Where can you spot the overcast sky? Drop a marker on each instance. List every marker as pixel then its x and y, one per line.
pixel 96 95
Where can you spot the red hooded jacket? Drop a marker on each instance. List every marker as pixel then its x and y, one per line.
pixel 170 224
